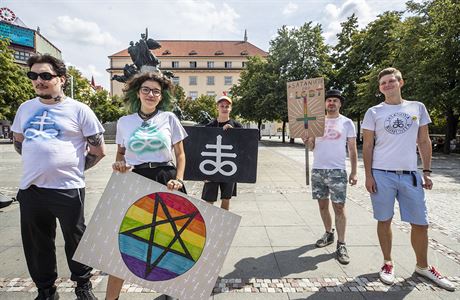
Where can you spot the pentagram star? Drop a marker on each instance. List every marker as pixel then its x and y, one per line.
pixel 151 243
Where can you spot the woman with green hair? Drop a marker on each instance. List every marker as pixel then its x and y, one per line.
pixel 148 138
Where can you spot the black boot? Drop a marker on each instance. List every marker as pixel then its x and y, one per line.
pixel 48 294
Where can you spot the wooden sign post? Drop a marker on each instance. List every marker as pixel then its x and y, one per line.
pixel 306 112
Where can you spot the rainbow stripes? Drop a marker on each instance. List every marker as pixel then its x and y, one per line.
pixel 161 236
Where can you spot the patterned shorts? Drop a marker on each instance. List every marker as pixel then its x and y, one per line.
pixel 329 183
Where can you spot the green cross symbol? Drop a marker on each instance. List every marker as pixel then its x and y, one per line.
pixel 305 118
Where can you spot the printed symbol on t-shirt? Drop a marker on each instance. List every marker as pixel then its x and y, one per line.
pixel 398 123
pixel 331 134
pixel 41 126
pixel 147 138
pixel 219 164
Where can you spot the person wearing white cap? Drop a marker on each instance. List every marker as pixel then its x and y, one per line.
pixel 227 189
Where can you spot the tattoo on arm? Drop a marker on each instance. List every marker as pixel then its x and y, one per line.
pixel 95 140
pixel 90 160
pixel 18 147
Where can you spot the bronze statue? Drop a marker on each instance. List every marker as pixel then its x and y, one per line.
pixel 142 57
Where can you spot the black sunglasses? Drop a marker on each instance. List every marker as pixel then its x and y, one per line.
pixel 44 75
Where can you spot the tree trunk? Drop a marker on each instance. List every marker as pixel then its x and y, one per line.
pixel 451 129
pixel 284 131
pixel 358 130
pixel 259 125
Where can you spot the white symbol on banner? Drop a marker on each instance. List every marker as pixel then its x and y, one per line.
pixel 31 132
pixel 219 163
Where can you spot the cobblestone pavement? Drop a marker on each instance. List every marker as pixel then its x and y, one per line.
pixel 253 285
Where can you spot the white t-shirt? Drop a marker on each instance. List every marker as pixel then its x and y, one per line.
pixel 54 146
pixel 396 129
pixel 330 150
pixel 151 140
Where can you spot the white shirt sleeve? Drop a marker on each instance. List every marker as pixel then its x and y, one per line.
pixel 119 135
pixel 178 132
pixel 17 124
pixel 90 125
pixel 424 116
pixel 351 131
pixel 368 121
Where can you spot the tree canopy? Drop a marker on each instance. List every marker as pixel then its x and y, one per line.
pixel 15 88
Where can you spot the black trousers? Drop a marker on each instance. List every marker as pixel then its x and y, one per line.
pixel 40 207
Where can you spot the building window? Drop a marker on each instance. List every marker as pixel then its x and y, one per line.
pixel 211 93
pixel 243 64
pixel 175 64
pixel 193 94
pixel 210 64
pixel 21 55
pixel 175 80
pixel 192 80
pixel 228 80
pixel 210 80
pixel 228 64
pixel 193 64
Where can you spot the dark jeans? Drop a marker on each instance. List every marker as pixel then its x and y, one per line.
pixel 39 209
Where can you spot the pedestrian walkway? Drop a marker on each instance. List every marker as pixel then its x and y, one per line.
pixel 273 255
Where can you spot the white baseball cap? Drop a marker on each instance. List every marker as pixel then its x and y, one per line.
pixel 226 98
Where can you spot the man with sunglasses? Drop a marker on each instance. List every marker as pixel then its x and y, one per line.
pixel 59 138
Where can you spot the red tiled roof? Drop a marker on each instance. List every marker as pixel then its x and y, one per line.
pixel 178 48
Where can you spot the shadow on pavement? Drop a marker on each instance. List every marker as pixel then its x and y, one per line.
pixel 251 267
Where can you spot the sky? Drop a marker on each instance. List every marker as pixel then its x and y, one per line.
pixel 88 31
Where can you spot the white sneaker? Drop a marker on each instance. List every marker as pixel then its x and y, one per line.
pixel 433 274
pixel 387 274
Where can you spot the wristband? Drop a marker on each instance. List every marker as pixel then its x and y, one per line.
pixel 427 171
pixel 180 180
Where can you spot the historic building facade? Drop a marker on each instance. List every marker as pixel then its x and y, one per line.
pixel 199 67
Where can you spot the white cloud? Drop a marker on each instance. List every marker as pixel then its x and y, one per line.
pixel 337 14
pixel 205 15
pixel 290 8
pixel 89 71
pixel 82 32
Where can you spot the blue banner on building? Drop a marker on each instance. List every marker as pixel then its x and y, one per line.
pixel 17 35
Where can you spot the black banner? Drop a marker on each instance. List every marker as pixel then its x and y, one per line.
pixel 221 155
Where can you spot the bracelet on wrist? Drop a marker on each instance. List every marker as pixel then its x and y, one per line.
pixel 180 180
pixel 427 171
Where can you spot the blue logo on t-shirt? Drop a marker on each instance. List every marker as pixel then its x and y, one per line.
pixel 398 123
pixel 146 138
pixel 41 125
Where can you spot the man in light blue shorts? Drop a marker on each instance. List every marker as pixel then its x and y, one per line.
pixel 392 130
pixel 329 176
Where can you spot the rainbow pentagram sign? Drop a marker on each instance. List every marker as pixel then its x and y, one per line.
pixel 161 236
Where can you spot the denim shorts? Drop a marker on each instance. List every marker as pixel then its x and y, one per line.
pixel 329 183
pixel 391 186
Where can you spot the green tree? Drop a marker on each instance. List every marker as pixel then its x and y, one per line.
pixel 106 109
pixel 81 86
pixel 193 108
pixel 377 47
pixel 15 87
pixel 295 54
pixel 348 68
pixel 253 86
pixel 431 61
